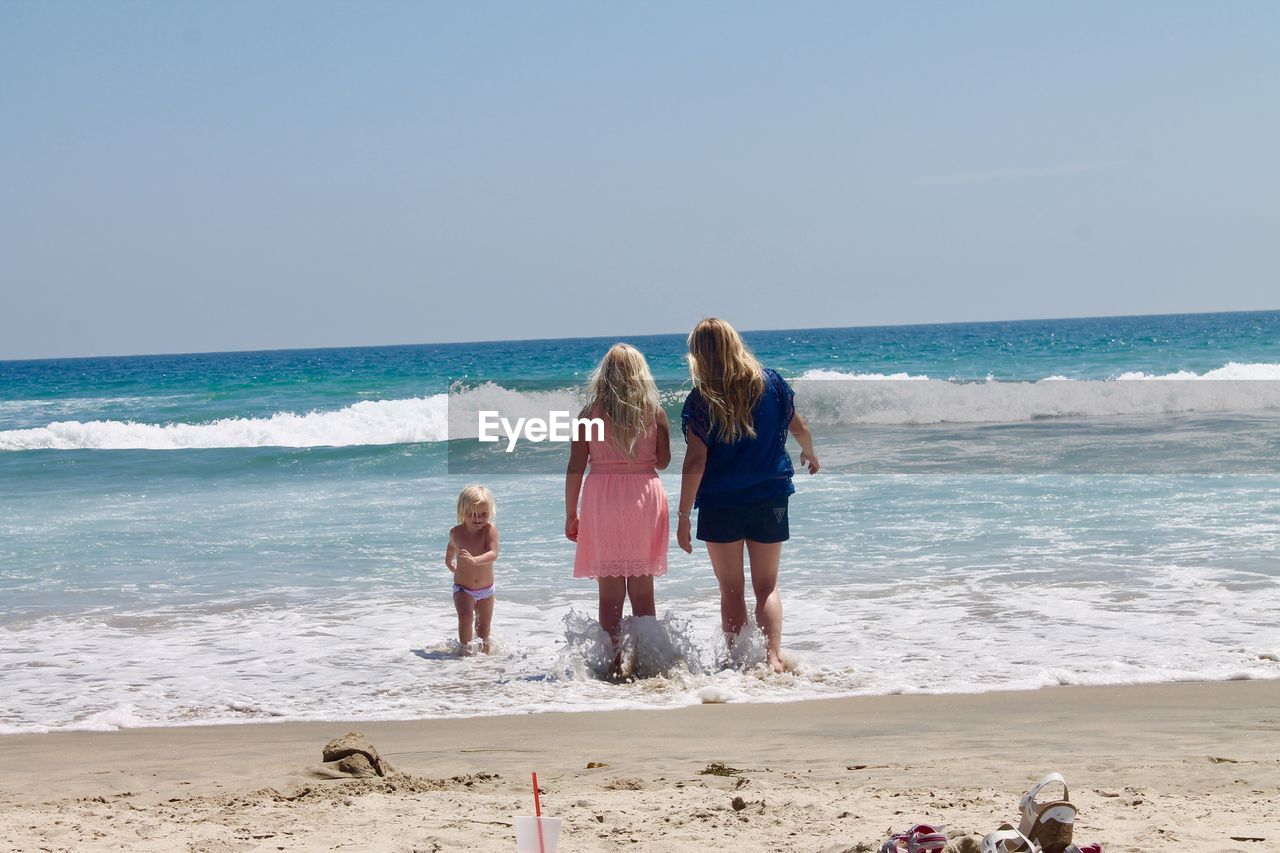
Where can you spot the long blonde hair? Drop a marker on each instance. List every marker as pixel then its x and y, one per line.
pixel 728 377
pixel 622 389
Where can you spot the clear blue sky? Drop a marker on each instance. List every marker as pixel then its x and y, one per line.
pixel 220 175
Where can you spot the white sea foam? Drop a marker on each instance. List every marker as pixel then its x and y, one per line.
pixel 647 647
pixel 367 422
pixel 466 404
pixel 983 631
pixel 837 375
pixel 23 414
pixel 831 398
pixel 1232 371
pixel 825 396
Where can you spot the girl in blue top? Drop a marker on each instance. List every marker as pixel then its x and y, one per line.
pixel 738 474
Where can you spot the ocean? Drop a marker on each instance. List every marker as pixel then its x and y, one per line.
pixel 237 537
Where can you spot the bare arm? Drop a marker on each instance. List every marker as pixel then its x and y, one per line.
pixel 695 462
pixel 664 441
pixel 579 451
pixel 451 555
pixel 490 554
pixel 490 550
pixel 800 429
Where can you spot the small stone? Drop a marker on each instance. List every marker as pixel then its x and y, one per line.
pixel 357 765
pixel 715 768
pixel 739 804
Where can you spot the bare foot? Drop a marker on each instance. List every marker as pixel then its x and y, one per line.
pixel 775 662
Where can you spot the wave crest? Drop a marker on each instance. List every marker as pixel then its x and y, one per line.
pixel 368 422
pixel 824 396
pixel 908 402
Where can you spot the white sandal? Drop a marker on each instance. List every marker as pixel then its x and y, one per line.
pixel 1049 824
pixel 1006 839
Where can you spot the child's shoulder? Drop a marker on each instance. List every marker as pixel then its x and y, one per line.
pixel 455 530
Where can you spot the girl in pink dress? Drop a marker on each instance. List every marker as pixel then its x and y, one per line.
pixel 622 527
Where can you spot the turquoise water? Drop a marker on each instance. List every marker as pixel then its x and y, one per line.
pixel 197 388
pixel 235 536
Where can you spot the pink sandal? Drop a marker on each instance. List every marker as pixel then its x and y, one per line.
pixel 921 838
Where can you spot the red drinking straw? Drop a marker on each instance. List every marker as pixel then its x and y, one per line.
pixel 537 810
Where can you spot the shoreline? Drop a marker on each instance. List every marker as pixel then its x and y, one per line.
pixel 1190 764
pixel 274 721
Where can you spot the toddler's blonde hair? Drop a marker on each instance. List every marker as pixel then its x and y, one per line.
pixel 472 496
pixel 623 389
pixel 727 375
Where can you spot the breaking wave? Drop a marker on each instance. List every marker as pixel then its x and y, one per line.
pixel 367 422
pixel 831 397
pixel 824 396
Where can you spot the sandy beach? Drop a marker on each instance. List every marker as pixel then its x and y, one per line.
pixel 1164 767
pixel 735 427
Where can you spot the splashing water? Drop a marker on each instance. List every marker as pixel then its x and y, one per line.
pixel 746 650
pixel 660 647
pixel 648 647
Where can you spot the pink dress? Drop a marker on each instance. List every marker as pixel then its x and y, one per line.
pixel 623 527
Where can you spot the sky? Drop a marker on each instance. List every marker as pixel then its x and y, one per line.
pixel 189 177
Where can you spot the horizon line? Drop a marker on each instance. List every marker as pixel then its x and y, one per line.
pixel 635 335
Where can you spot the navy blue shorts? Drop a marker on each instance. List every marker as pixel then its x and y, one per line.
pixel 759 522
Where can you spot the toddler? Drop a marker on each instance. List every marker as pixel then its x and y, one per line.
pixel 473 548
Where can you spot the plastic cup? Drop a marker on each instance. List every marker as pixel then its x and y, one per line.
pixel 527 834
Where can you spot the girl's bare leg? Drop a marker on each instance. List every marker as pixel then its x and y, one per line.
pixel 726 560
pixel 765 557
pixel 465 606
pixel 613 595
pixel 484 617
pixel 640 591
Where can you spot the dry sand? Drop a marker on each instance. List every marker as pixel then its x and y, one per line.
pixel 1191 767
